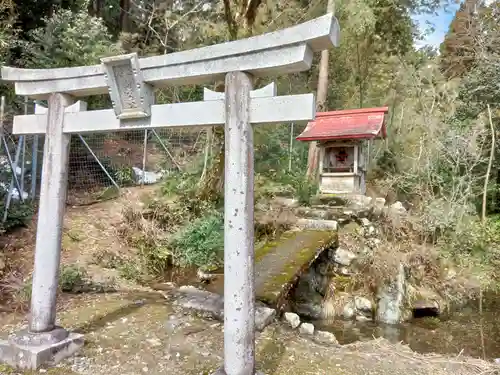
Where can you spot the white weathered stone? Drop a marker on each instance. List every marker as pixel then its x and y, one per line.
pixel 79 106
pixel 391 298
pixel 361 200
pixel 306 329
pixel 288 202
pixel 263 92
pixel 365 222
pixel 130 96
pixel 398 208
pixel 292 319
pixel 378 206
pixel 317 224
pixel 363 304
pixel 284 51
pixel 239 274
pixel 379 202
pixel 324 337
pixel 263 317
pixel 344 257
pixel 51 210
pixel 362 318
pixel 349 310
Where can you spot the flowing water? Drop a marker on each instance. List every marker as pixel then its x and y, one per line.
pixel 465 331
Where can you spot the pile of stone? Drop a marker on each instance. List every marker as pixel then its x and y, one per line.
pixel 391 303
pixel 307 330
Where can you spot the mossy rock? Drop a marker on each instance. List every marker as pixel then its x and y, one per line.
pixel 280 263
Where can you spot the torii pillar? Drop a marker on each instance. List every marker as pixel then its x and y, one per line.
pixel 130 82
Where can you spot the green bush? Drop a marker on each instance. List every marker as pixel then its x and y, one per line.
pixel 124 176
pixel 476 246
pixel 72 278
pixel 183 184
pixel 303 188
pixel 19 215
pixel 200 243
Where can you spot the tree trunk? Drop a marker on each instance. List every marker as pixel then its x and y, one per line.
pixel 321 95
pixel 490 163
pixel 212 184
pixel 124 15
pixel 96 8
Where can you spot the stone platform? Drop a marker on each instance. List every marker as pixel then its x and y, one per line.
pixel 29 351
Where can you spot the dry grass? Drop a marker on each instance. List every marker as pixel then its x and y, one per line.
pixel 87 231
pixel 434 364
pixel 427 270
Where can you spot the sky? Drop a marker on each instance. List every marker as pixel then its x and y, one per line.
pixel 439 21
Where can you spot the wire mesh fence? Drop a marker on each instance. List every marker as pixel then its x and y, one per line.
pixel 100 164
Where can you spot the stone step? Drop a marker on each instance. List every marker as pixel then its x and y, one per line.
pixel 325 213
pixel 212 304
pixel 317 224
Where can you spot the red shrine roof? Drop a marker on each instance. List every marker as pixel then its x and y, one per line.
pixel 365 123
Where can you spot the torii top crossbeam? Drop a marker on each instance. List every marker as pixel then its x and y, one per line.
pixel 130 82
pixel 280 52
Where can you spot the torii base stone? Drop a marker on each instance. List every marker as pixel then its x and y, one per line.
pixel 29 351
pixel 222 372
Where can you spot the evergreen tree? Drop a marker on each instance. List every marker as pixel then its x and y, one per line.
pixel 459 49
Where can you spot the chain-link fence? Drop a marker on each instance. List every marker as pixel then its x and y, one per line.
pixel 100 164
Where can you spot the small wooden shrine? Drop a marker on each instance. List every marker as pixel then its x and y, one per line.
pixel 343 139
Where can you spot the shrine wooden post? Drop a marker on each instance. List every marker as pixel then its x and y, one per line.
pixel 130 82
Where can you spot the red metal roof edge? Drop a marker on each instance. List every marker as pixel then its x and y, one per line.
pixel 328 138
pixel 353 111
pixel 381 134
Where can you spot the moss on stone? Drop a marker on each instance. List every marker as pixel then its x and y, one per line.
pixel 342 283
pixel 267 247
pixel 276 286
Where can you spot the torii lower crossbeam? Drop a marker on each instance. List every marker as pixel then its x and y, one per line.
pixel 238 108
pixel 130 82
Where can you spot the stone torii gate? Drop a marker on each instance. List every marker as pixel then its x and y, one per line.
pixel 130 82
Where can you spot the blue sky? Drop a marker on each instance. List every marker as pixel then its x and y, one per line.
pixel 440 21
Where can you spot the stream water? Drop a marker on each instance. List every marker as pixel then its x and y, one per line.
pixel 465 331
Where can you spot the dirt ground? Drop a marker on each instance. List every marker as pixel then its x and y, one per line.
pixel 87 231
pixel 138 331
pixel 141 332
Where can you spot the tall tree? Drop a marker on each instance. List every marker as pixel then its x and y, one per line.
pixel 321 96
pixel 240 18
pixel 459 49
pixel 124 15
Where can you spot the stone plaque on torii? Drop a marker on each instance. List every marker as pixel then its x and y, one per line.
pixel 130 82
